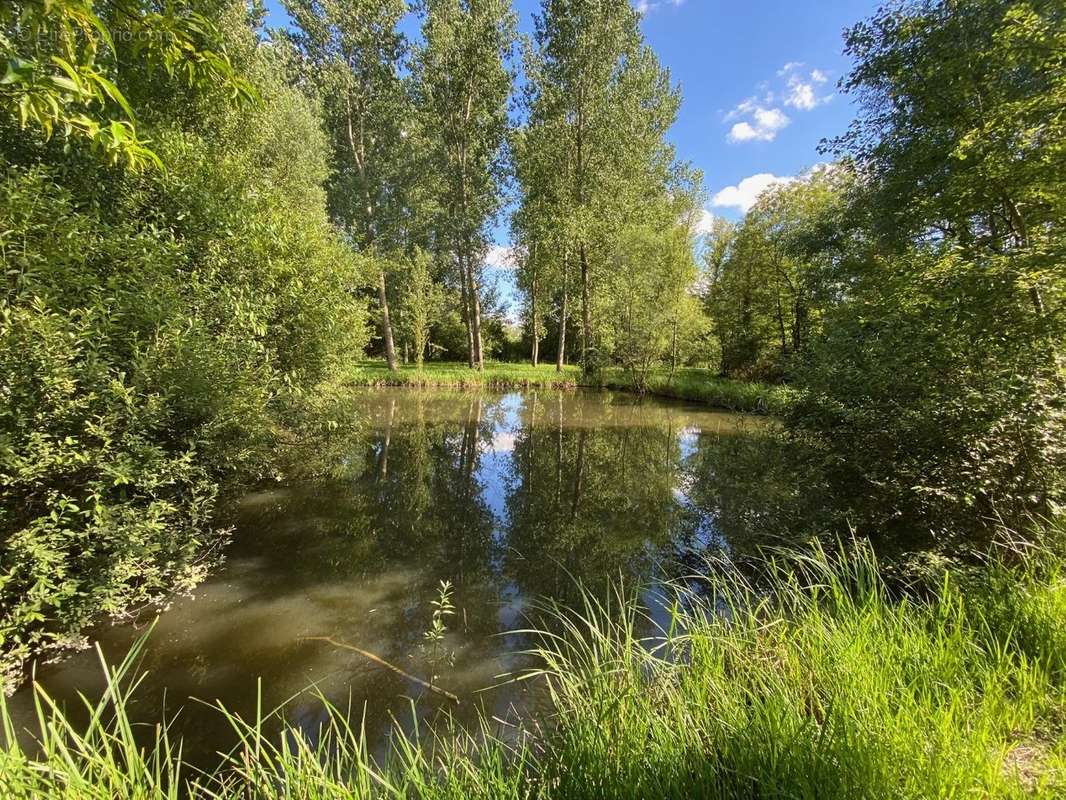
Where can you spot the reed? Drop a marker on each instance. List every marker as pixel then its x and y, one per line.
pixel 816 680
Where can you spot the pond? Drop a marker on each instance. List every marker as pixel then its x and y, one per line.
pixel 510 497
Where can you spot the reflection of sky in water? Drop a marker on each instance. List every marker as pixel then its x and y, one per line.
pixel 511 496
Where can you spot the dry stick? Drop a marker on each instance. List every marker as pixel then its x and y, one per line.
pixel 384 663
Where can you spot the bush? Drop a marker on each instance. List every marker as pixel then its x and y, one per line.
pixel 156 332
pixel 937 397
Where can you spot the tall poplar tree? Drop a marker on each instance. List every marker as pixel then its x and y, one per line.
pixel 355 57
pixel 464 84
pixel 599 105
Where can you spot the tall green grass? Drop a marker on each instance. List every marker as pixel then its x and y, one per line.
pixel 460 376
pixel 703 386
pixel 818 684
pixel 692 384
pixel 815 681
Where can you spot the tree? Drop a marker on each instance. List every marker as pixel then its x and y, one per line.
pixel 421 302
pixel 160 332
pixel 62 62
pixel 770 276
pixel 937 385
pixel 534 239
pixel 652 299
pixel 538 233
pixel 463 85
pixel 599 105
pixel 355 55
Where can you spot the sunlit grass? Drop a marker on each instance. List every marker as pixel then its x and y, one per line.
pixel 816 681
pixel 495 375
pixel 691 384
pixel 703 386
pixel 825 687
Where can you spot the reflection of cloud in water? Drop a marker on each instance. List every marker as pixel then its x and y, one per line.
pixel 503 441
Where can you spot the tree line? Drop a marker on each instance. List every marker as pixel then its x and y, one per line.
pixel 425 151
pixel 913 289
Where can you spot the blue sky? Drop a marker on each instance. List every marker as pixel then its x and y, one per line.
pixel 759 85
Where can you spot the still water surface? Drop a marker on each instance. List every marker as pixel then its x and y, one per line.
pixel 510 497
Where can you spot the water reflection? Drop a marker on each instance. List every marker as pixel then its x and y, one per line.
pixel 511 497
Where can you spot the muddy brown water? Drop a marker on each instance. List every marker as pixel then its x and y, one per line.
pixel 510 497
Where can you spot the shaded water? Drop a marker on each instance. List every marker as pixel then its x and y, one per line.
pixel 510 497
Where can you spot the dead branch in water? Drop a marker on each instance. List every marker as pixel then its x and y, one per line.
pixel 378 660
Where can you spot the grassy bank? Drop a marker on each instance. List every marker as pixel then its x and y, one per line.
pixel 819 684
pixel 692 384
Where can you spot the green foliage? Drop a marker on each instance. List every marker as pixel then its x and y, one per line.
pixel 462 89
pixel 62 57
pixel 683 383
pixel 498 376
pixel 102 504
pixel 938 384
pixel 421 302
pixel 913 291
pixel 154 330
pixel 350 57
pixel 655 315
pixel 933 398
pixel 596 174
pixel 770 277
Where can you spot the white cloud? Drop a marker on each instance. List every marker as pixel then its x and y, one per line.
pixel 764 125
pixel 803 96
pixel 743 107
pixel 500 257
pixel 703 223
pixel 647 6
pixel 744 194
pixel 802 93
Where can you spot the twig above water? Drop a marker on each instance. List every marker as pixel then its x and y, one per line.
pixel 379 660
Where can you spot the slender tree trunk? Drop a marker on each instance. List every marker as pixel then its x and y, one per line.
pixel 586 313
pixel 673 350
pixel 579 472
pixel 559 448
pixel 465 295
pixel 386 325
pixel 781 326
pixel 1021 235
pixel 535 354
pixel 799 327
pixel 388 439
pixel 358 156
pixel 532 460
pixel 475 313
pixel 560 357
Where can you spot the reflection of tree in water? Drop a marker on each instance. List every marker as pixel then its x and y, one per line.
pixel 761 489
pixel 591 493
pixel 414 514
pixel 595 486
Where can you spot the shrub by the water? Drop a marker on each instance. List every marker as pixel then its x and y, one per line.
pixel 156 329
